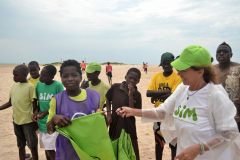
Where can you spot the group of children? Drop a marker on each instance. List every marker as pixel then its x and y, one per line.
pixel 41 102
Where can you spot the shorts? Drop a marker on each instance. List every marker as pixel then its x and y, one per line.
pixel 26 133
pixel 145 69
pixel 47 141
pixel 83 69
pixel 158 135
pixel 109 74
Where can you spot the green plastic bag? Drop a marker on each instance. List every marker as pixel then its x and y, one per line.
pixel 89 137
pixel 122 146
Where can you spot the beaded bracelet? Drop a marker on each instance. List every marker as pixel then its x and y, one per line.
pixel 202 148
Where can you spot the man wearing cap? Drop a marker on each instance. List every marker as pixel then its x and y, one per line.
pixel 93 70
pixel 229 76
pixel 161 87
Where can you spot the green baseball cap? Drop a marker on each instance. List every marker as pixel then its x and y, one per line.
pixel 166 57
pixel 193 55
pixel 92 67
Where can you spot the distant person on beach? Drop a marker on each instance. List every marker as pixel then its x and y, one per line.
pixel 24 64
pixel 162 85
pixel 24 102
pixel 124 94
pixel 93 70
pixel 83 66
pixel 145 67
pixel 199 112
pixel 229 76
pixel 75 100
pixel 34 69
pixel 45 89
pixel 109 73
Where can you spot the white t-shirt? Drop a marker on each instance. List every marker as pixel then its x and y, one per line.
pixel 192 122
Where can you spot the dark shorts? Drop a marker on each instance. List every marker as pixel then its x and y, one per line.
pixel 145 69
pixel 109 74
pixel 26 133
pixel 83 69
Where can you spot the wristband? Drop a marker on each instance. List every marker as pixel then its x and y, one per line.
pixel 202 148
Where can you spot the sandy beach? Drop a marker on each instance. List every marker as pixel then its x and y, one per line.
pixel 8 143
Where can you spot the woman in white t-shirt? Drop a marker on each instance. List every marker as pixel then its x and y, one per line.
pixel 199 112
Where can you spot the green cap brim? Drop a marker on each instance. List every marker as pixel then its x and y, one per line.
pixel 179 65
pixel 89 70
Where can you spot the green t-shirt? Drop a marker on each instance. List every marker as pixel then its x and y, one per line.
pixel 44 96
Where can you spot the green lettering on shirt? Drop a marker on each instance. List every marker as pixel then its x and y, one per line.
pixel 186 112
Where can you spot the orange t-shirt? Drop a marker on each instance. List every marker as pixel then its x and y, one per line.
pixel 109 68
pixel 83 65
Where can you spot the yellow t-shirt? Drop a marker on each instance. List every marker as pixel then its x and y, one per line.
pixel 22 95
pixel 52 111
pixel 159 82
pixel 33 81
pixel 102 88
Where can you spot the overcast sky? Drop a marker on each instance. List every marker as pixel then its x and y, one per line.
pixel 127 31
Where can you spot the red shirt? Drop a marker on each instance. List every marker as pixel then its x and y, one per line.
pixel 109 68
pixel 83 65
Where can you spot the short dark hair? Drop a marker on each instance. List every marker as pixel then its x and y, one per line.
pixel 22 68
pixel 52 70
pixel 33 63
pixel 134 70
pixel 108 63
pixel 68 63
pixel 224 43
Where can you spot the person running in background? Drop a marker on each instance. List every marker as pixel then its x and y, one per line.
pixel 68 102
pixel 46 88
pixel 229 76
pixel 161 87
pixel 34 69
pixel 83 66
pixel 109 73
pixel 93 70
pixel 24 102
pixel 124 94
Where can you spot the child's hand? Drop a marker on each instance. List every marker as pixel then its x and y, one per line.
pixel 153 99
pixel 34 116
pixel 42 114
pixel 131 89
pixel 61 121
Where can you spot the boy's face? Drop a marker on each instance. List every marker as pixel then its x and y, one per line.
pixel 223 54
pixel 19 76
pixel 132 78
pixel 34 71
pixel 71 78
pixel 92 76
pixel 45 77
pixel 166 65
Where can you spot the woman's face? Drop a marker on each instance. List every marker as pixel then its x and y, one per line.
pixel 190 76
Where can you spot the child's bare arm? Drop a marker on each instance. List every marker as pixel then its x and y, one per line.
pixel 109 115
pixel 130 94
pixel 6 105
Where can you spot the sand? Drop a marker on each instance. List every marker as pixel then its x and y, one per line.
pixel 8 143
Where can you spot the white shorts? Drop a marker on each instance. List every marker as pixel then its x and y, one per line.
pixel 47 141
